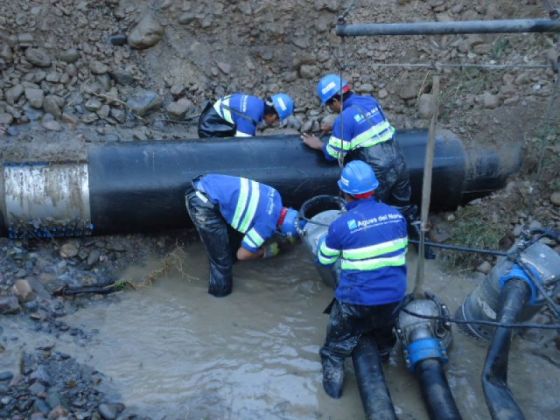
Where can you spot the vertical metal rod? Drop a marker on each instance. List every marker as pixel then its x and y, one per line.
pixel 427 189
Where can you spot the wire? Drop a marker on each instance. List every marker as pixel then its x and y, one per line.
pixel 487 323
pixel 347 11
pixel 436 66
pixel 461 248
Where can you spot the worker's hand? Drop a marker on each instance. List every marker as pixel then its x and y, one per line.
pixel 312 141
pixel 271 250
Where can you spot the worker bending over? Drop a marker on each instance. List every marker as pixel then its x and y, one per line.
pixel 362 131
pixel 370 240
pixel 238 115
pixel 221 205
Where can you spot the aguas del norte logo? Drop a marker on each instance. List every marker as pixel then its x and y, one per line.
pixel 354 224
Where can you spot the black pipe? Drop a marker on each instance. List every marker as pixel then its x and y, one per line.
pixel 139 186
pixel 499 397
pixel 374 393
pixel 461 27
pixel 435 390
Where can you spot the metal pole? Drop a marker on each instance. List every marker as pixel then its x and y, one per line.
pixel 461 27
pixel 427 190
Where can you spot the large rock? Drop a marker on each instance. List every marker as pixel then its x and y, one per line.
pixel 179 109
pixel 13 94
pixel 35 97
pixel 71 55
pixel 143 102
pixel 38 57
pixel 426 105
pixel 146 33
pixel 98 67
pixel 53 104
pixel 9 305
pixel 22 289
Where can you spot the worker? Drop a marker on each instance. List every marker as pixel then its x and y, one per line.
pixel 370 240
pixel 235 217
pixel 238 115
pixel 362 131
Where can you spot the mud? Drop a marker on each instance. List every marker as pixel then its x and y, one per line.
pixel 173 351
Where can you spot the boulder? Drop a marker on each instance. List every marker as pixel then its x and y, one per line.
pixel 143 102
pixel 146 33
pixel 38 57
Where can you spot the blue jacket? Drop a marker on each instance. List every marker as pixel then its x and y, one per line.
pixel 371 241
pixel 249 207
pixel 244 111
pixel 361 124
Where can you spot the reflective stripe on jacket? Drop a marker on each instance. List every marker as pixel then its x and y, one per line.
pixel 361 124
pixel 248 206
pixel 371 241
pixel 244 111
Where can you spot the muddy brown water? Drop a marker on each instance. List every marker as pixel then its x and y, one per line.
pixel 172 351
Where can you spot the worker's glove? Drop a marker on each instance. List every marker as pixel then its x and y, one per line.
pixel 271 250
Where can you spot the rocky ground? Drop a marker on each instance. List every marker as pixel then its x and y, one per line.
pixel 75 72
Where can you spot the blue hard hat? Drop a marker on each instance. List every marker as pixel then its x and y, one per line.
pixel 330 85
pixel 357 178
pixel 290 225
pixel 283 104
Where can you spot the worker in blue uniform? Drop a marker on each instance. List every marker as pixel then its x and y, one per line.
pixel 238 115
pixel 370 240
pixel 235 217
pixel 362 131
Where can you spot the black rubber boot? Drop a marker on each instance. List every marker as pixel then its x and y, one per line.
pixel 333 377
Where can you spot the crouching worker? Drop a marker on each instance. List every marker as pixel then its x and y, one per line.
pixel 370 240
pixel 221 206
pixel 238 115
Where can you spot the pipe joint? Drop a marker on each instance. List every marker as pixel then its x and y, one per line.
pixel 517 273
pixel 422 349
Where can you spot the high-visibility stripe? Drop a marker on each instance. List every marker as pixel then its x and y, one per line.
pixel 222 108
pixel 373 263
pixel 339 143
pixel 375 250
pixel 249 242
pixel 326 255
pixel 241 202
pixel 326 260
pixel 333 152
pixel 329 252
pixel 379 133
pixel 242 134
pixel 255 238
pixel 254 195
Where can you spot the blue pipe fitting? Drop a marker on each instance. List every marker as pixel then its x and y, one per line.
pixel 425 348
pixel 518 273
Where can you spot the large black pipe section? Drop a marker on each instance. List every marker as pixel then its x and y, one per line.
pixel 499 398
pixel 374 393
pixel 440 28
pixel 139 186
pixel 435 390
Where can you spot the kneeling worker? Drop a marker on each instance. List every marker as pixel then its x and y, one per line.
pixel 218 205
pixel 238 115
pixel 371 240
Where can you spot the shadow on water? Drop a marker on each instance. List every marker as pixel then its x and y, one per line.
pixel 173 351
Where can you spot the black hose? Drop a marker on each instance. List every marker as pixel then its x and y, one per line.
pixel 374 393
pixel 435 390
pixel 499 397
